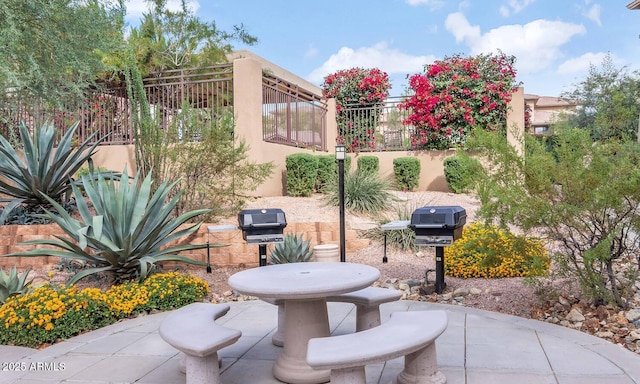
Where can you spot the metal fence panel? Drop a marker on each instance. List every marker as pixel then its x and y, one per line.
pixel 292 116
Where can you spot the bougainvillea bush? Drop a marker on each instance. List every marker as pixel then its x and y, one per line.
pixel 459 93
pixel 357 92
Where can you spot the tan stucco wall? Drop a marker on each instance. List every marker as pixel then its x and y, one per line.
pixel 116 158
pixel 515 121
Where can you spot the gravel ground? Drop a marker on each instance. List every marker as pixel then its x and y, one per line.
pixel 510 296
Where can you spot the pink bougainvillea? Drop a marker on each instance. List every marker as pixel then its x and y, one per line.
pixel 357 92
pixel 456 94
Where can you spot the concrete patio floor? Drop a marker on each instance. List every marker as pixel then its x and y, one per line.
pixel 477 347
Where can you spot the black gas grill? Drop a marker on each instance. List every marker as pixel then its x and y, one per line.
pixel 262 227
pixel 438 227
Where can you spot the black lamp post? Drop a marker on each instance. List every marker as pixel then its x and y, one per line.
pixel 340 156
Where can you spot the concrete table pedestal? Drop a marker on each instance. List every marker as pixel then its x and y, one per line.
pixel 291 366
pixel 304 288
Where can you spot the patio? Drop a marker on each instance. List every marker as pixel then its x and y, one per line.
pixel 477 347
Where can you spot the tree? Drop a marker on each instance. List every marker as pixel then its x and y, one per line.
pixel 170 40
pixel 609 100
pixel 167 40
pixel 581 196
pixel 458 93
pixel 53 49
pixel 210 163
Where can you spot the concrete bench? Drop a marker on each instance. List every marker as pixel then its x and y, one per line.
pixel 409 334
pixel 193 331
pixel 367 302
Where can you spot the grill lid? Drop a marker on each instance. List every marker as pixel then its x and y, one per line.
pixel 255 219
pixel 438 217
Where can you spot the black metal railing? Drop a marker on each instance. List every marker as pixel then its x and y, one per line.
pixel 375 127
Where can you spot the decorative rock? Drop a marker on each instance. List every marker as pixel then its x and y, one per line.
pixel 633 314
pixel 604 334
pixel 591 325
pixel 462 291
pixel 575 315
pixel 404 286
pixel 602 313
pixel 476 291
pixel 446 296
pixel 620 318
pixel 563 301
pixel 634 335
pixel 420 254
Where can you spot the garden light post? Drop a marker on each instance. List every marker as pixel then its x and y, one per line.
pixel 340 156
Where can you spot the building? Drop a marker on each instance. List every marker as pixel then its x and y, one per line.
pixel 546 110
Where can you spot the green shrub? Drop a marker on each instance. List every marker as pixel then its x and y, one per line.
pixel 363 193
pixel 370 164
pixel 490 252
pixel 294 249
pixel 50 313
pixel 407 172
pixel 461 172
pixel 86 171
pixel 327 170
pixel 302 172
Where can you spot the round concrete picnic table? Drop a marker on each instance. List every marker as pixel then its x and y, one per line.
pixel 304 288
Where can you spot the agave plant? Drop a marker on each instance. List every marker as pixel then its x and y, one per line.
pixel 294 249
pixel 126 233
pixel 45 167
pixel 13 284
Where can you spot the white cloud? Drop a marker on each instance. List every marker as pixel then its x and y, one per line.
pixel 582 63
pixel 593 14
pixel 518 5
pixel 536 45
pixel 514 6
pixel 379 56
pixel 462 30
pixel 432 4
pixel 135 8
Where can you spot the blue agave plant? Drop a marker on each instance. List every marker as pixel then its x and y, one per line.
pixel 127 231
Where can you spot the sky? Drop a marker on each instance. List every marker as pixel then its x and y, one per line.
pixel 554 41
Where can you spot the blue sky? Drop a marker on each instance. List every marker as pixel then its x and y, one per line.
pixel 554 41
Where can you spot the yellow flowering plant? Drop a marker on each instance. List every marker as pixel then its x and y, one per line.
pixel 50 312
pixel 490 252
